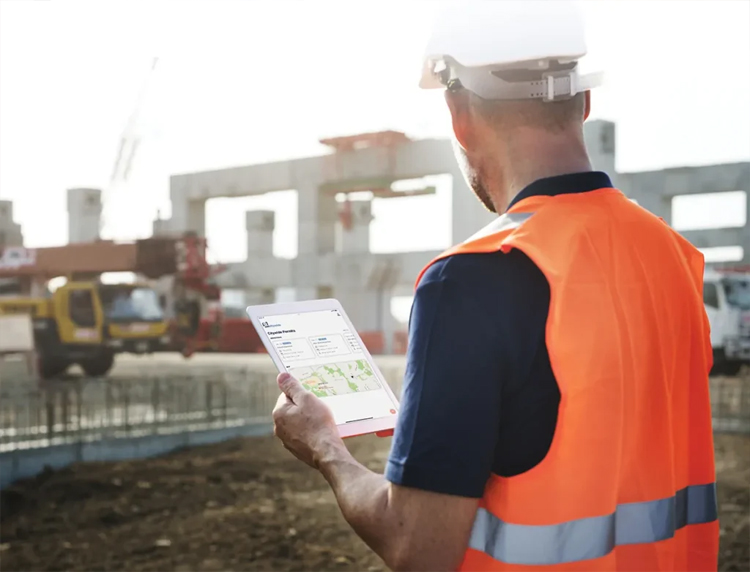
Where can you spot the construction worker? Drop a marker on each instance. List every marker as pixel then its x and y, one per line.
pixel 555 412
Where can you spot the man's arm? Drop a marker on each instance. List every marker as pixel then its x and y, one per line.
pixel 420 514
pixel 408 528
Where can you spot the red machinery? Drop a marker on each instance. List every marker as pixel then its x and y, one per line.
pixel 215 332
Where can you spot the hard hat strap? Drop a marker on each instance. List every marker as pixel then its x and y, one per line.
pixel 552 85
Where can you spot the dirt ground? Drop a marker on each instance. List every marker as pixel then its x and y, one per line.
pixel 241 505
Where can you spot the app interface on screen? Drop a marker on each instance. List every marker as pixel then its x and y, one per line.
pixel 320 350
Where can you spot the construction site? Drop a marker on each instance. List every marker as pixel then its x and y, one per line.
pixel 136 399
pixel 135 416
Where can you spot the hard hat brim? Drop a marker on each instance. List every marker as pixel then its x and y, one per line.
pixel 551 85
pixel 429 80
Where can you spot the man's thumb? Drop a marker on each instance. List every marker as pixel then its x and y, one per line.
pixel 290 386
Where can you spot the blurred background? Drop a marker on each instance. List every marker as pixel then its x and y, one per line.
pixel 164 164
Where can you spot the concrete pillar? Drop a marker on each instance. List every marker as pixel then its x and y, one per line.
pixel 350 289
pixel 187 216
pixel 317 218
pixel 317 215
pixel 743 184
pixel 745 230
pixel 363 282
pixel 161 227
pixel 388 322
pixel 357 237
pixel 385 274
pixel 10 232
pixel 600 141
pixel 364 286
pixel 469 214
pixel 84 214
pixel 260 226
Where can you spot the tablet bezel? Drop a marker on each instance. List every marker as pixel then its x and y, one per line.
pixel 354 428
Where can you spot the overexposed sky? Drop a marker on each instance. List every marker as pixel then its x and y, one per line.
pixel 241 82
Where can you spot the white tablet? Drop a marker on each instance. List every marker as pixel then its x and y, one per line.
pixel 315 342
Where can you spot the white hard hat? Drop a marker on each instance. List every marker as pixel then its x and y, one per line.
pixel 474 40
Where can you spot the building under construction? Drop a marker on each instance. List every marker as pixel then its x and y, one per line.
pixel 364 282
pixel 244 504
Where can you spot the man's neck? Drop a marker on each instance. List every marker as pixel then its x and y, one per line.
pixel 520 181
pixel 536 161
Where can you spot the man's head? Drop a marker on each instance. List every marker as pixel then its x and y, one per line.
pixel 494 140
pixel 509 68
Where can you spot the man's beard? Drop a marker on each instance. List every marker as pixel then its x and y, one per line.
pixel 475 182
pixel 473 177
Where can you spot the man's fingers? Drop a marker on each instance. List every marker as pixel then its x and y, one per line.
pixel 290 387
pixel 283 404
pixel 281 401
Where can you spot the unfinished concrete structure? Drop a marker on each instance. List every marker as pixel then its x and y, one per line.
pixel 655 190
pixel 363 281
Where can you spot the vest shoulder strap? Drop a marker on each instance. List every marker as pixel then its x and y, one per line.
pixel 489 239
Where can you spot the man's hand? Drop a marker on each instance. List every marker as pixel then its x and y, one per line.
pixel 398 523
pixel 303 422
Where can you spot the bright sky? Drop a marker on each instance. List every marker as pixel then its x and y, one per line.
pixel 251 81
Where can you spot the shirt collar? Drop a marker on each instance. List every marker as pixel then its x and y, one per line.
pixel 565 184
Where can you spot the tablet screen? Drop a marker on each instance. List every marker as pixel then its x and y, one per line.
pixel 319 349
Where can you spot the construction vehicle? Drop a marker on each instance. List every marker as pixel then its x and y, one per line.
pixel 87 322
pixel 726 296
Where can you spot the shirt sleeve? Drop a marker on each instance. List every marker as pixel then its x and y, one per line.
pixel 448 423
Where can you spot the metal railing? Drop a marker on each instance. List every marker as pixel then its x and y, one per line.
pixel 34 414
pixel 89 409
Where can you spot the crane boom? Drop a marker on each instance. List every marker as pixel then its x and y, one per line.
pixel 127 148
pixel 73 259
pixel 183 257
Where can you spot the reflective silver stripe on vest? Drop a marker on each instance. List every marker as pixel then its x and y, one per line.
pixel 507 221
pixel 631 523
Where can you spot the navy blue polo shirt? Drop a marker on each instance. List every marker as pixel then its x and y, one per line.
pixel 479 393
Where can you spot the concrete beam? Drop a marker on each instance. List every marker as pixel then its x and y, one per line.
pixel 318 269
pixel 410 160
pixel 687 180
pixel 406 161
pixel 715 237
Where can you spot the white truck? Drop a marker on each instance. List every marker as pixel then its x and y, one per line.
pixel 726 295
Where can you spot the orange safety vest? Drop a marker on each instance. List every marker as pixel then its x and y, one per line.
pixel 629 479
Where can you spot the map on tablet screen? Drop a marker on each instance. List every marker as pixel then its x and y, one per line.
pixel 320 350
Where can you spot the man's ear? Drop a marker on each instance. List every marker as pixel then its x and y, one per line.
pixel 461 117
pixel 587 106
